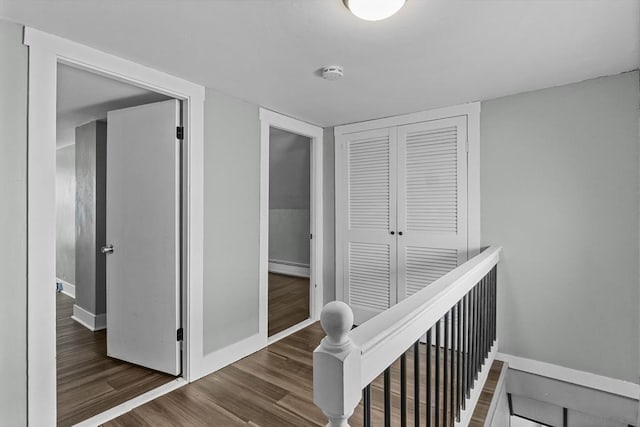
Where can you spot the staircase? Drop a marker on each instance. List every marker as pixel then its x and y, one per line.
pixel 423 361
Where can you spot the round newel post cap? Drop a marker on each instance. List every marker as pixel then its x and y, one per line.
pixel 337 320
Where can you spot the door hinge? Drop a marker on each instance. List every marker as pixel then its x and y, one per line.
pixel 180 335
pixel 310 236
pixel 180 132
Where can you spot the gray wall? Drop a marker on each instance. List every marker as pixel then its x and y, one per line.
pixel 66 213
pixel 289 170
pixel 289 236
pixel 289 197
pixel 329 246
pixel 231 225
pixel 559 191
pixel 231 220
pixel 91 157
pixel 13 225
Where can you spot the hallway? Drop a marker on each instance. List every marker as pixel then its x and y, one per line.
pixel 272 387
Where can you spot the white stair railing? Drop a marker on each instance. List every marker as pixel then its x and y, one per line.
pixel 455 318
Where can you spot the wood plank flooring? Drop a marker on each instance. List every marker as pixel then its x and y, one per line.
pixel 482 408
pixel 89 382
pixel 272 387
pixel 288 302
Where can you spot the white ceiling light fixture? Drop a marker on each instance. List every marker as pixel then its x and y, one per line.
pixel 373 10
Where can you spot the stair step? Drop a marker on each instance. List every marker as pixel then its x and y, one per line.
pixel 489 399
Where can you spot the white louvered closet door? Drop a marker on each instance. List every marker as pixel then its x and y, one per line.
pixel 432 201
pixel 368 203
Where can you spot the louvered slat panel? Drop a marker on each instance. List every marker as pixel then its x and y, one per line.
pixel 432 180
pixel 369 275
pixel 425 265
pixel 368 175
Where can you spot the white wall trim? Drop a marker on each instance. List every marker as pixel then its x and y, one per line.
pixel 501 385
pixel 41 268
pixel 93 322
pixel 573 376
pixel 225 356
pixel 473 178
pixel 292 330
pixel 270 119
pixel 67 288
pixel 289 268
pixel 130 405
pixel 406 119
pixel 45 51
pixel 476 390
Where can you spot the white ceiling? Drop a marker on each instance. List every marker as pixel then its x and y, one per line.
pixel 431 53
pixel 84 97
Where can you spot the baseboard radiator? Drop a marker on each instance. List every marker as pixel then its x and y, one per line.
pixel 440 341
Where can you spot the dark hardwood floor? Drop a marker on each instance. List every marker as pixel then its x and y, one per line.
pixel 89 382
pixel 272 387
pixel 288 301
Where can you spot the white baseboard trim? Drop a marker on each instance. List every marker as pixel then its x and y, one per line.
pixel 67 288
pixel 129 405
pixel 289 268
pixel 89 320
pixel 225 356
pixel 573 376
pixel 495 401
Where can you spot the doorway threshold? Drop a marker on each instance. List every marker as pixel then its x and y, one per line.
pixel 293 329
pixel 129 405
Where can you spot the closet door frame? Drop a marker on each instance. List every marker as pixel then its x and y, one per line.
pixel 472 113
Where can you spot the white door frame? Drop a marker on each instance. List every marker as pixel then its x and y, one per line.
pixel 45 52
pixel 269 119
pixel 472 113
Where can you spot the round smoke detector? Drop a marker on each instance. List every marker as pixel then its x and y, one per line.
pixel 332 72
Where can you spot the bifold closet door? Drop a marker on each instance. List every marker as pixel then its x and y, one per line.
pixel 365 224
pixel 432 201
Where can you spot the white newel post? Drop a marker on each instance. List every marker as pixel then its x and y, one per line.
pixel 336 366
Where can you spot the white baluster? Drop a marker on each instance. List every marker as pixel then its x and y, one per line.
pixel 337 366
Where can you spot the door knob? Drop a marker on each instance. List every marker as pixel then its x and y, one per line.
pixel 107 249
pixel 400 233
pixel 392 232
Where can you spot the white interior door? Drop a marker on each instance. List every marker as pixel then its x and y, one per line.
pixel 432 201
pixel 366 243
pixel 143 226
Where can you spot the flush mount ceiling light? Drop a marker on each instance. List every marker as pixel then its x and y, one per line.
pixel 373 10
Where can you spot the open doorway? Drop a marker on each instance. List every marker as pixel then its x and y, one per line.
pixel 115 144
pixel 46 51
pixel 291 251
pixel 289 229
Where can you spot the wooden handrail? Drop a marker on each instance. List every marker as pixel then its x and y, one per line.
pixel 348 360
